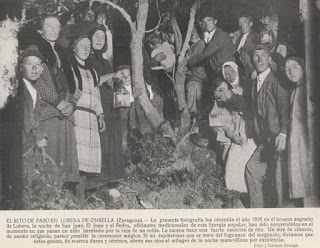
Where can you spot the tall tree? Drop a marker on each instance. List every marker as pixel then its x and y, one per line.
pixel 138 30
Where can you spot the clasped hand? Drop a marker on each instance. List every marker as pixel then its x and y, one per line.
pixel 222 94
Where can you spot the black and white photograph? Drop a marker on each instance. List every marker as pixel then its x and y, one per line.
pixel 159 104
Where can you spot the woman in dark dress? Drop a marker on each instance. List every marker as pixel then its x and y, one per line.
pixel 301 173
pixel 112 170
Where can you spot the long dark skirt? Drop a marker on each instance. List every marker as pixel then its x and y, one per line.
pixel 62 148
pixel 112 166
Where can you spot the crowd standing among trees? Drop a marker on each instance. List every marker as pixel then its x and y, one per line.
pixel 245 92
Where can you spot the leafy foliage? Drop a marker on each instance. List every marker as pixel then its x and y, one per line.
pixel 208 185
pixel 40 8
pixel 193 173
pixel 45 191
pixel 152 160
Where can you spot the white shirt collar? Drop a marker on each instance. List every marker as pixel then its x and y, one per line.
pixel 52 44
pixel 32 91
pixel 262 76
pixel 242 41
pixel 208 36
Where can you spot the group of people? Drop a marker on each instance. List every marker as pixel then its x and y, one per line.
pixel 66 94
pixel 249 97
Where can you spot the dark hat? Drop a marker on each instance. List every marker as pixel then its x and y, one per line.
pixel 31 50
pixel 94 27
pixel 74 41
pixel 208 13
pixel 264 47
pixel 78 35
pixel 246 16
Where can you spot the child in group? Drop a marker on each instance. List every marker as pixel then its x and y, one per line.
pixel 160 46
pixel 164 74
pixel 123 79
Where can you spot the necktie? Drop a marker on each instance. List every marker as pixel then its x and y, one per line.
pixel 242 41
pixel 259 83
pixel 206 37
pixel 57 56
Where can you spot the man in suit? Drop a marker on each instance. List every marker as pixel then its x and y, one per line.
pixel 30 104
pixel 22 137
pixel 218 50
pixel 245 43
pixel 267 103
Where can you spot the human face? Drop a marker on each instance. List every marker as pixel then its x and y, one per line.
pixel 89 17
pixel 101 18
pixel 50 29
pixel 82 49
pixel 266 20
pixel 245 24
pixel 229 74
pixel 98 40
pixel 194 37
pixel 261 60
pixel 293 70
pixel 209 24
pixel 125 77
pixel 31 68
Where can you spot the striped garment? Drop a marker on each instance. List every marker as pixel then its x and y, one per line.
pixel 47 89
pixel 86 128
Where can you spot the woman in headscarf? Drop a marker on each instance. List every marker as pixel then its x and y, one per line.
pixel 302 176
pixel 241 147
pixel 55 90
pixel 112 170
pixel 89 113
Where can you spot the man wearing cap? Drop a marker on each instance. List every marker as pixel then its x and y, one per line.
pixel 245 43
pixel 267 102
pixel 218 50
pixel 30 103
pixel 22 138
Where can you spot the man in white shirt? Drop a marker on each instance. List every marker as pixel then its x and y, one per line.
pixel 245 43
pixel 266 104
pixel 31 67
pixel 218 50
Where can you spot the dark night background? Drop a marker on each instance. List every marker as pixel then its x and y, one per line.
pixel 290 27
pixel 290 31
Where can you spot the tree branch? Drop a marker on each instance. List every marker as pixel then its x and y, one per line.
pixel 177 33
pixel 142 16
pixel 122 11
pixel 193 11
pixel 159 22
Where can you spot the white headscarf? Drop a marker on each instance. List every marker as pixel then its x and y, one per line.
pixel 234 66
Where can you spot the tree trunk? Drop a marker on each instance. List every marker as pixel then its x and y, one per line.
pixel 156 121
pixel 139 84
pixel 179 85
pixel 180 77
pixel 311 79
pixel 177 33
